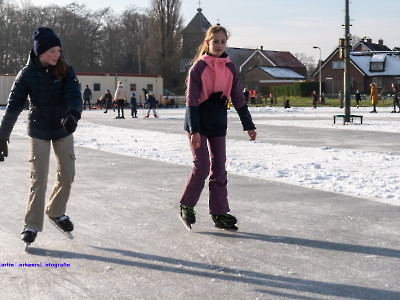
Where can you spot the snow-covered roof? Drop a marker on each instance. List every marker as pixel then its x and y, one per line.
pixel 280 72
pixel 378 57
pixel 391 59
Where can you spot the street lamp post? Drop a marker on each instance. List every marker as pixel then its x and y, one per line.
pixel 320 82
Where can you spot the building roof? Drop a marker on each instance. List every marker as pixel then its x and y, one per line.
pixel 368 45
pixel 199 23
pixel 391 59
pixel 239 55
pixel 281 72
pixel 282 58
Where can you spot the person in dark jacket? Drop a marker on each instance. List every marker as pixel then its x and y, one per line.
pixel 87 95
pixel 212 80
pixel 358 98
pixel 55 106
pixel 396 98
pixel 133 105
pixel 108 98
pixel 151 105
pixel 314 96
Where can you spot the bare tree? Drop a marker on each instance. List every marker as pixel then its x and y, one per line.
pixel 95 41
pixel 165 39
pixel 308 61
pixel 135 27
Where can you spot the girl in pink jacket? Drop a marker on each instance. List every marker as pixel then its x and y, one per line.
pixel 212 81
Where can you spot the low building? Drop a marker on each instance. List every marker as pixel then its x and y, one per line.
pixel 262 76
pixel 369 63
pixel 100 82
pixel 265 68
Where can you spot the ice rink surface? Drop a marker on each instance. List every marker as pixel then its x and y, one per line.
pixel 298 238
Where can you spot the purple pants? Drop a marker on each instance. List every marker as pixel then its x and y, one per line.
pixel 208 164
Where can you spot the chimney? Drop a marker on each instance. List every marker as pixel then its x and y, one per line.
pixel 369 41
pixel 380 43
pixel 262 47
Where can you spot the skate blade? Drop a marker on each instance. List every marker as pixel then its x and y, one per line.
pixel 227 228
pixel 27 245
pixel 188 226
pixel 68 234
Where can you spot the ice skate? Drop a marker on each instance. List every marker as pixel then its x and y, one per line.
pixel 225 221
pixel 28 236
pixel 64 225
pixel 187 216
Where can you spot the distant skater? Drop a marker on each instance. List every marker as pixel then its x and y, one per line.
pixel 314 96
pixel 133 105
pixel 151 105
pixel 358 98
pixel 87 96
pixel 211 82
pixel 120 97
pixel 374 97
pixel 396 98
pixel 107 96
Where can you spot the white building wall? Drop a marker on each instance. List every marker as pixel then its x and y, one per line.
pixel 100 82
pixel 6 82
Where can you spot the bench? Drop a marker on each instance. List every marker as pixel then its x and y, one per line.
pixel 351 118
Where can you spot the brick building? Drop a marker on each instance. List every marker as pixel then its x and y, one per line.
pixel 369 63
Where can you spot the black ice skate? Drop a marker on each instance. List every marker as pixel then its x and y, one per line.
pixel 187 216
pixel 28 236
pixel 64 225
pixel 225 221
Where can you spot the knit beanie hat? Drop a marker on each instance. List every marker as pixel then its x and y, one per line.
pixel 44 39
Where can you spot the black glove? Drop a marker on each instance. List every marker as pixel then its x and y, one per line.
pixel 3 149
pixel 71 121
pixel 218 98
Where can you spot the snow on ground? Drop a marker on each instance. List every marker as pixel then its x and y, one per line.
pixel 323 118
pixel 363 174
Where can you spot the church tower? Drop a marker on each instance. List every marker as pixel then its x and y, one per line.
pixel 193 35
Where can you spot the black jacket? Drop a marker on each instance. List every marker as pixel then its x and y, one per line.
pixel 50 100
pixel 151 102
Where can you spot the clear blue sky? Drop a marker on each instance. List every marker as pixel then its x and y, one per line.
pixel 289 25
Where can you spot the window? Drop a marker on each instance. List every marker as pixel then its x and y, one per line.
pixel 377 66
pixel 96 87
pixel 377 81
pixel 132 87
pixel 150 87
pixel 397 81
pixel 338 65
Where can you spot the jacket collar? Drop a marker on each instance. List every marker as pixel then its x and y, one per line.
pixel 212 60
pixel 34 63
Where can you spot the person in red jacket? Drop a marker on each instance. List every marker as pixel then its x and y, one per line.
pixel 252 96
pixel 212 80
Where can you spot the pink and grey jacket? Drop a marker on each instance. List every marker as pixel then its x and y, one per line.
pixel 207 76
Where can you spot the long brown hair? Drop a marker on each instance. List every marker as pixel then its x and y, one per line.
pixel 61 69
pixel 203 48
